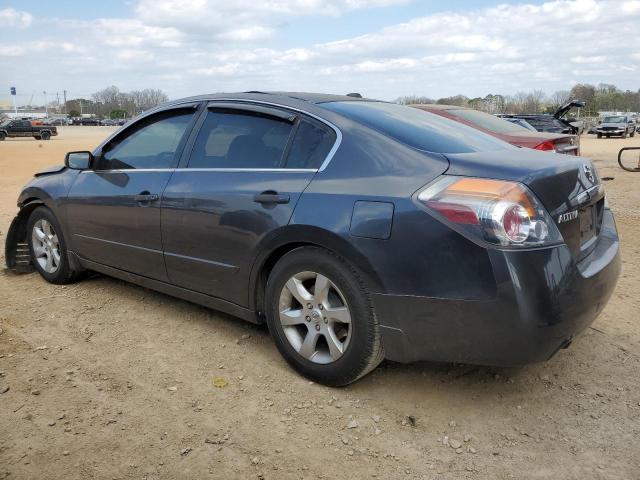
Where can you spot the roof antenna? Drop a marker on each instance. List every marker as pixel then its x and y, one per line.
pixel 354 95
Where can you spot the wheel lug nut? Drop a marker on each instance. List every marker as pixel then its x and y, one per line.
pixel 308 318
pixel 317 327
pixel 309 306
pixel 321 307
pixel 325 320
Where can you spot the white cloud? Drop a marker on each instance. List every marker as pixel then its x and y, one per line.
pixel 193 46
pixel 10 17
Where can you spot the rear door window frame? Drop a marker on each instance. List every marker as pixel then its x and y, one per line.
pixel 265 108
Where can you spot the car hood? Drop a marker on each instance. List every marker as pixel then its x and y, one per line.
pixel 617 124
pixel 559 181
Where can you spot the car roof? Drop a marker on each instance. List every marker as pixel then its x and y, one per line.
pixel 283 98
pixel 438 106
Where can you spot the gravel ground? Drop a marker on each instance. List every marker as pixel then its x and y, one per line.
pixel 102 379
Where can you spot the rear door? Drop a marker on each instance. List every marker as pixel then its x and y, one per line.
pixel 247 168
pixel 113 210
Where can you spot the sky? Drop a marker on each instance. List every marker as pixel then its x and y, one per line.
pixel 380 48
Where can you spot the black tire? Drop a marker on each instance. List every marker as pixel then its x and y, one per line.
pixel 632 134
pixel 624 135
pixel 364 351
pixel 599 135
pixel 45 135
pixel 2 136
pixel 64 273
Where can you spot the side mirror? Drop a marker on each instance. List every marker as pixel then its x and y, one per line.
pixel 78 160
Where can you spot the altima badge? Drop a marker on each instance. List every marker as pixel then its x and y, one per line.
pixel 588 172
pixel 566 217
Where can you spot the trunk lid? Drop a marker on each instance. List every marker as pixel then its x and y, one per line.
pixel 568 187
pixel 562 111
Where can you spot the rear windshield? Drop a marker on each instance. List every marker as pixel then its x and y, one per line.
pixel 614 120
pixel 417 128
pixel 487 121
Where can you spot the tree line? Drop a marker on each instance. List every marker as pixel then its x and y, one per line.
pixel 598 98
pixel 113 103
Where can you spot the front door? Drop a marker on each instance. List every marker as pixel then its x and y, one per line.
pixel 113 210
pixel 248 167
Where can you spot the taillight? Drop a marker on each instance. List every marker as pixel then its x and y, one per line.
pixel 546 146
pixel 497 211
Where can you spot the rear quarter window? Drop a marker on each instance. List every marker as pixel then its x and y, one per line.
pixel 418 129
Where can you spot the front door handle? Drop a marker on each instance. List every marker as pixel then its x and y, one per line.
pixel 271 197
pixel 146 197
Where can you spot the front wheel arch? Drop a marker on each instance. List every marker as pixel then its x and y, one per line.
pixel 17 234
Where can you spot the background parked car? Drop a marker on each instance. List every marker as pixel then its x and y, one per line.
pixel 56 121
pixel 556 123
pixel 616 125
pixel 521 122
pixel 509 131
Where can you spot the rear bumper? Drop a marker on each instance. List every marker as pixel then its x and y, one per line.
pixel 544 299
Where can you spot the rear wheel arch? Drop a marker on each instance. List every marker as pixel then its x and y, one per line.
pixel 297 237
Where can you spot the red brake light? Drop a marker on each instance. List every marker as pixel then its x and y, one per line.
pixel 546 146
pixel 455 212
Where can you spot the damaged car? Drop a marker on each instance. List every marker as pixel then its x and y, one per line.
pixel 355 229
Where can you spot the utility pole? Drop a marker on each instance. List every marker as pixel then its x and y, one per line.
pixel 64 95
pixel 46 108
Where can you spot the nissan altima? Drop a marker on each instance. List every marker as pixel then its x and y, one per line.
pixel 357 230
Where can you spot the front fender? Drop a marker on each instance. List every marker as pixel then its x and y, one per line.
pixel 16 248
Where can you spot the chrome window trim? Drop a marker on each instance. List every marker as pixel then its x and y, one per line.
pixel 322 167
pixel 294 170
pixel 232 170
pixel 336 144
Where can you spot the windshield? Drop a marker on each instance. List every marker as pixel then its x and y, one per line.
pixel 487 121
pixel 417 128
pixel 5 123
pixel 614 119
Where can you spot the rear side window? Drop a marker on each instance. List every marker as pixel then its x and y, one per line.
pixel 311 145
pixel 152 144
pixel 239 139
pixel 418 129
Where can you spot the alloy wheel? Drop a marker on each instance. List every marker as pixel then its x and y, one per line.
pixel 315 317
pixel 46 246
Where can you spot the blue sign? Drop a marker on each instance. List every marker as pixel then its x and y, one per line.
pixel 13 90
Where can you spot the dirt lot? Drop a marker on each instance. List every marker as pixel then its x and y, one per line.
pixel 109 380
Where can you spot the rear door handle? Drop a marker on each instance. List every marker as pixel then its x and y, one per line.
pixel 271 197
pixel 146 197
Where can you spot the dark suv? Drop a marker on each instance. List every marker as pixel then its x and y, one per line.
pixel 555 123
pixel 356 229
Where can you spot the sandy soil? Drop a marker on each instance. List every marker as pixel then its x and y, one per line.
pixel 109 380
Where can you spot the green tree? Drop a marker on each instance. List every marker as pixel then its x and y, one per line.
pixel 118 114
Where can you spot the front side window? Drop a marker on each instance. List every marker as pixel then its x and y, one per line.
pixel 152 144
pixel 240 139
